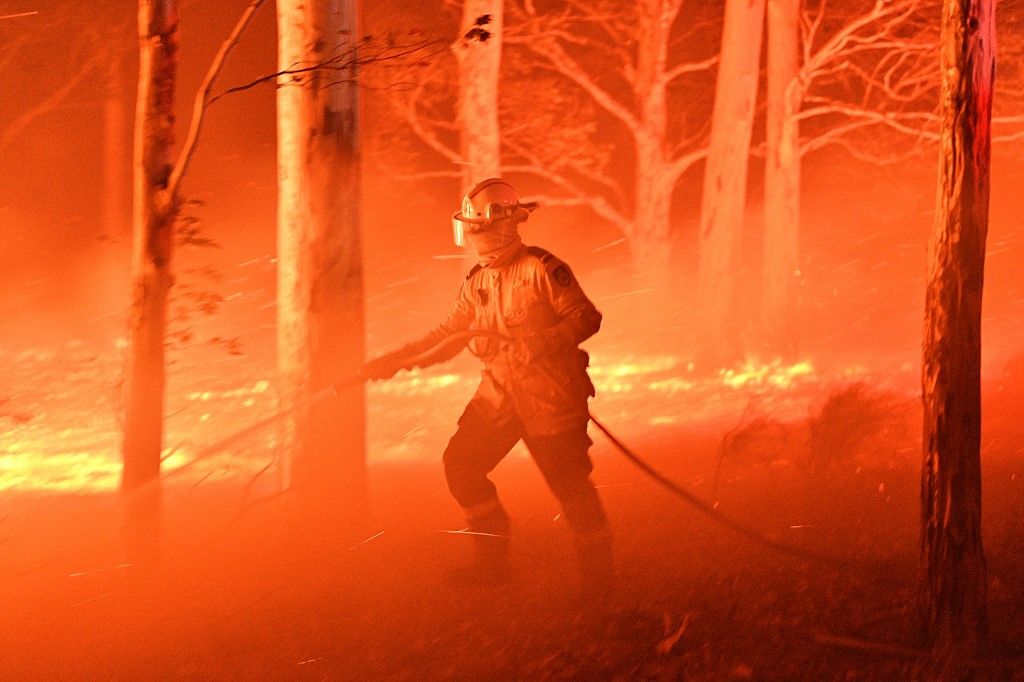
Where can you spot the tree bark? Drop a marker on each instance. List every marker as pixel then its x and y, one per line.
pixel 478 52
pixel 782 178
pixel 650 237
pixel 152 240
pixel 321 325
pixel 951 543
pixel 725 179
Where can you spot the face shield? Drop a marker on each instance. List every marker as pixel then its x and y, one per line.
pixel 462 226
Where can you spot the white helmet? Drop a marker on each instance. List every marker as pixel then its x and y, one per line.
pixel 488 202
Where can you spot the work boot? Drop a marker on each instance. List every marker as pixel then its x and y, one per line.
pixel 596 566
pixel 490 528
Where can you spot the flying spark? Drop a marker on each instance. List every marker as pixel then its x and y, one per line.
pixel 466 531
pixel 369 539
pixel 19 14
pixel 98 570
pixel 609 245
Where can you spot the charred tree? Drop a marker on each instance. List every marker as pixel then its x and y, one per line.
pixel 951 543
pixel 155 208
pixel 782 176
pixel 152 239
pixel 725 178
pixel 321 326
pixel 153 217
pixel 478 52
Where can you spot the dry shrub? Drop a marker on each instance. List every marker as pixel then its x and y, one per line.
pixel 761 440
pixel 858 423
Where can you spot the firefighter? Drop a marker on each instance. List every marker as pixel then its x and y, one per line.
pixel 534 387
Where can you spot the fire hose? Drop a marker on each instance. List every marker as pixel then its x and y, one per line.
pixel 425 358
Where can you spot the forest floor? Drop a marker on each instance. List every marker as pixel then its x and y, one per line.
pixel 234 594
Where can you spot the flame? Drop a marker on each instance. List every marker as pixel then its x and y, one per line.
pixel 72 446
pixel 774 373
pixel 25 468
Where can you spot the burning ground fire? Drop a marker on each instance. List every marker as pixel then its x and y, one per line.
pixel 66 439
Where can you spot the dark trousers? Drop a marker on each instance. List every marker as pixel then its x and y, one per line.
pixel 478 445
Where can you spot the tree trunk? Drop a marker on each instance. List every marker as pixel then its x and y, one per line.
pixel 321 325
pixel 651 239
pixel 651 244
pixel 725 179
pixel 782 178
pixel 152 240
pixel 114 156
pixel 478 52
pixel 152 247
pixel 955 591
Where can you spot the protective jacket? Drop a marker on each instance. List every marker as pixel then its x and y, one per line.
pixel 534 297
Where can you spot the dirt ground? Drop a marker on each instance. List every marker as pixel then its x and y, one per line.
pixel 235 594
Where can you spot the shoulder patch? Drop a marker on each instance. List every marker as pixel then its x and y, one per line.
pixel 476 269
pixel 562 276
pixel 538 252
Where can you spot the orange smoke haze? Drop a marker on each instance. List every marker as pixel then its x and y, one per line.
pixel 742 434
pixel 64 289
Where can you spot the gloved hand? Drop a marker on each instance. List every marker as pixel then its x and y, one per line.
pixel 528 348
pixel 382 367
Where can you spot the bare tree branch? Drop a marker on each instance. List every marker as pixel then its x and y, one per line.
pixel 339 62
pixel 876 69
pixel 599 205
pixel 201 100
pixel 886 12
pixel 570 69
pixel 900 122
pixel 681 164
pixel 692 67
pixel 410 113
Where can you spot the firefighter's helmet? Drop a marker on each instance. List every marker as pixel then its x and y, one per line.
pixel 490 201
